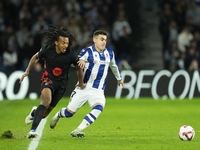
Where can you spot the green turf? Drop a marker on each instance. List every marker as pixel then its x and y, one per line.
pixel 124 125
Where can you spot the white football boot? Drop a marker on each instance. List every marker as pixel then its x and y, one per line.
pixel 32 134
pixel 77 133
pixel 29 118
pixel 54 121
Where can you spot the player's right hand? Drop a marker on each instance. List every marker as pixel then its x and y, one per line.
pixel 23 76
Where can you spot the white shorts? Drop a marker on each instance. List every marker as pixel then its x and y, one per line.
pixel 80 96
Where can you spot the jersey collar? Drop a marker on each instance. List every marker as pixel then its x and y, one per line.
pixel 94 49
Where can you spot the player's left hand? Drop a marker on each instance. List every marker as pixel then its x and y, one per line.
pixel 81 64
pixel 82 85
pixel 122 83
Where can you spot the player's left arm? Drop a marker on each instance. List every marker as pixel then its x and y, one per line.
pixel 79 65
pixel 79 72
pixel 116 72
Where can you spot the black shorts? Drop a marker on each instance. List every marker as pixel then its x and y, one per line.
pixel 57 90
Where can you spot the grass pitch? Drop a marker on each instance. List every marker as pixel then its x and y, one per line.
pixel 123 125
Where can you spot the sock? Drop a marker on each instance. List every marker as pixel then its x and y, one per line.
pixel 64 113
pixel 91 117
pixel 38 116
pixel 33 113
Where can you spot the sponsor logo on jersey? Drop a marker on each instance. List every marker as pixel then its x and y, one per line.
pixel 95 61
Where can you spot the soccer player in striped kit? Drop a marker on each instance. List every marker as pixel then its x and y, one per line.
pixel 98 59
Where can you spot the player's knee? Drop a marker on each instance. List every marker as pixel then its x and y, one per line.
pixel 68 113
pixel 98 107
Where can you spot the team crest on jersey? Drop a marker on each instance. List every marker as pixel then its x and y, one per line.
pixel 107 55
pixel 57 71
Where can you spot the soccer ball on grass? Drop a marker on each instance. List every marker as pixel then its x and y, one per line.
pixel 186 133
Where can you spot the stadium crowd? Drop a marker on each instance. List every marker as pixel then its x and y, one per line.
pixel 22 23
pixel 179 27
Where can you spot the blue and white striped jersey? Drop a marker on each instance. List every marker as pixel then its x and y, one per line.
pixel 97 66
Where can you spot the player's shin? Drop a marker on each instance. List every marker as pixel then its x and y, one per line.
pixel 38 116
pixel 64 113
pixel 91 117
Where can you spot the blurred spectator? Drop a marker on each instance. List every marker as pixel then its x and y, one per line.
pixel 40 23
pixel 2 22
pixel 165 20
pixel 181 61
pixel 74 29
pixel 22 35
pixel 180 13
pixel 190 23
pixel 72 5
pixel 85 35
pixel 171 56
pixel 87 5
pixel 197 39
pixel 173 31
pixel 118 27
pixel 193 12
pixel 184 39
pixel 10 55
pixel 191 60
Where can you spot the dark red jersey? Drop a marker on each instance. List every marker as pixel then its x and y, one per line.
pixel 56 66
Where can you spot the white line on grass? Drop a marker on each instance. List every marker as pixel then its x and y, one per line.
pixel 139 131
pixel 34 143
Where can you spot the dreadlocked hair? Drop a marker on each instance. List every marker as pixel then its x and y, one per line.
pixel 53 33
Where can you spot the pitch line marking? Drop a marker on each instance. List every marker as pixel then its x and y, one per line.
pixel 139 131
pixel 34 143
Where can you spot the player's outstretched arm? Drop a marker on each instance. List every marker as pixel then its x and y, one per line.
pixel 32 63
pixel 79 72
pixel 121 82
pixel 81 64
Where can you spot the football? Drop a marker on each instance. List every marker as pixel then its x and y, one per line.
pixel 186 133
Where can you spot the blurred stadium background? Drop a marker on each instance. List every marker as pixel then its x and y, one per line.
pixel 156 42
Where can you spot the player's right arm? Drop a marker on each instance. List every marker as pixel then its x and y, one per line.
pixel 32 63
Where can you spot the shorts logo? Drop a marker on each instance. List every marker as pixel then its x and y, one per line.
pixel 57 71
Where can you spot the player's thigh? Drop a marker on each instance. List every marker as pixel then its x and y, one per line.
pixel 57 95
pixel 77 99
pixel 97 97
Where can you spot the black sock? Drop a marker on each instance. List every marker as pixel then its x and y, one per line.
pixel 33 113
pixel 38 116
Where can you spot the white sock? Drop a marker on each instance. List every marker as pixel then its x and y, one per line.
pixel 64 113
pixel 89 119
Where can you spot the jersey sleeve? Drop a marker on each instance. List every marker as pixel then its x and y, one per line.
pixel 42 52
pixel 83 55
pixel 114 68
pixel 75 58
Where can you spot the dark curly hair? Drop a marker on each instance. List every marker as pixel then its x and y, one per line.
pixel 53 33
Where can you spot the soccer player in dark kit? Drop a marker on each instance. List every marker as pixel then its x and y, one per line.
pixel 58 57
